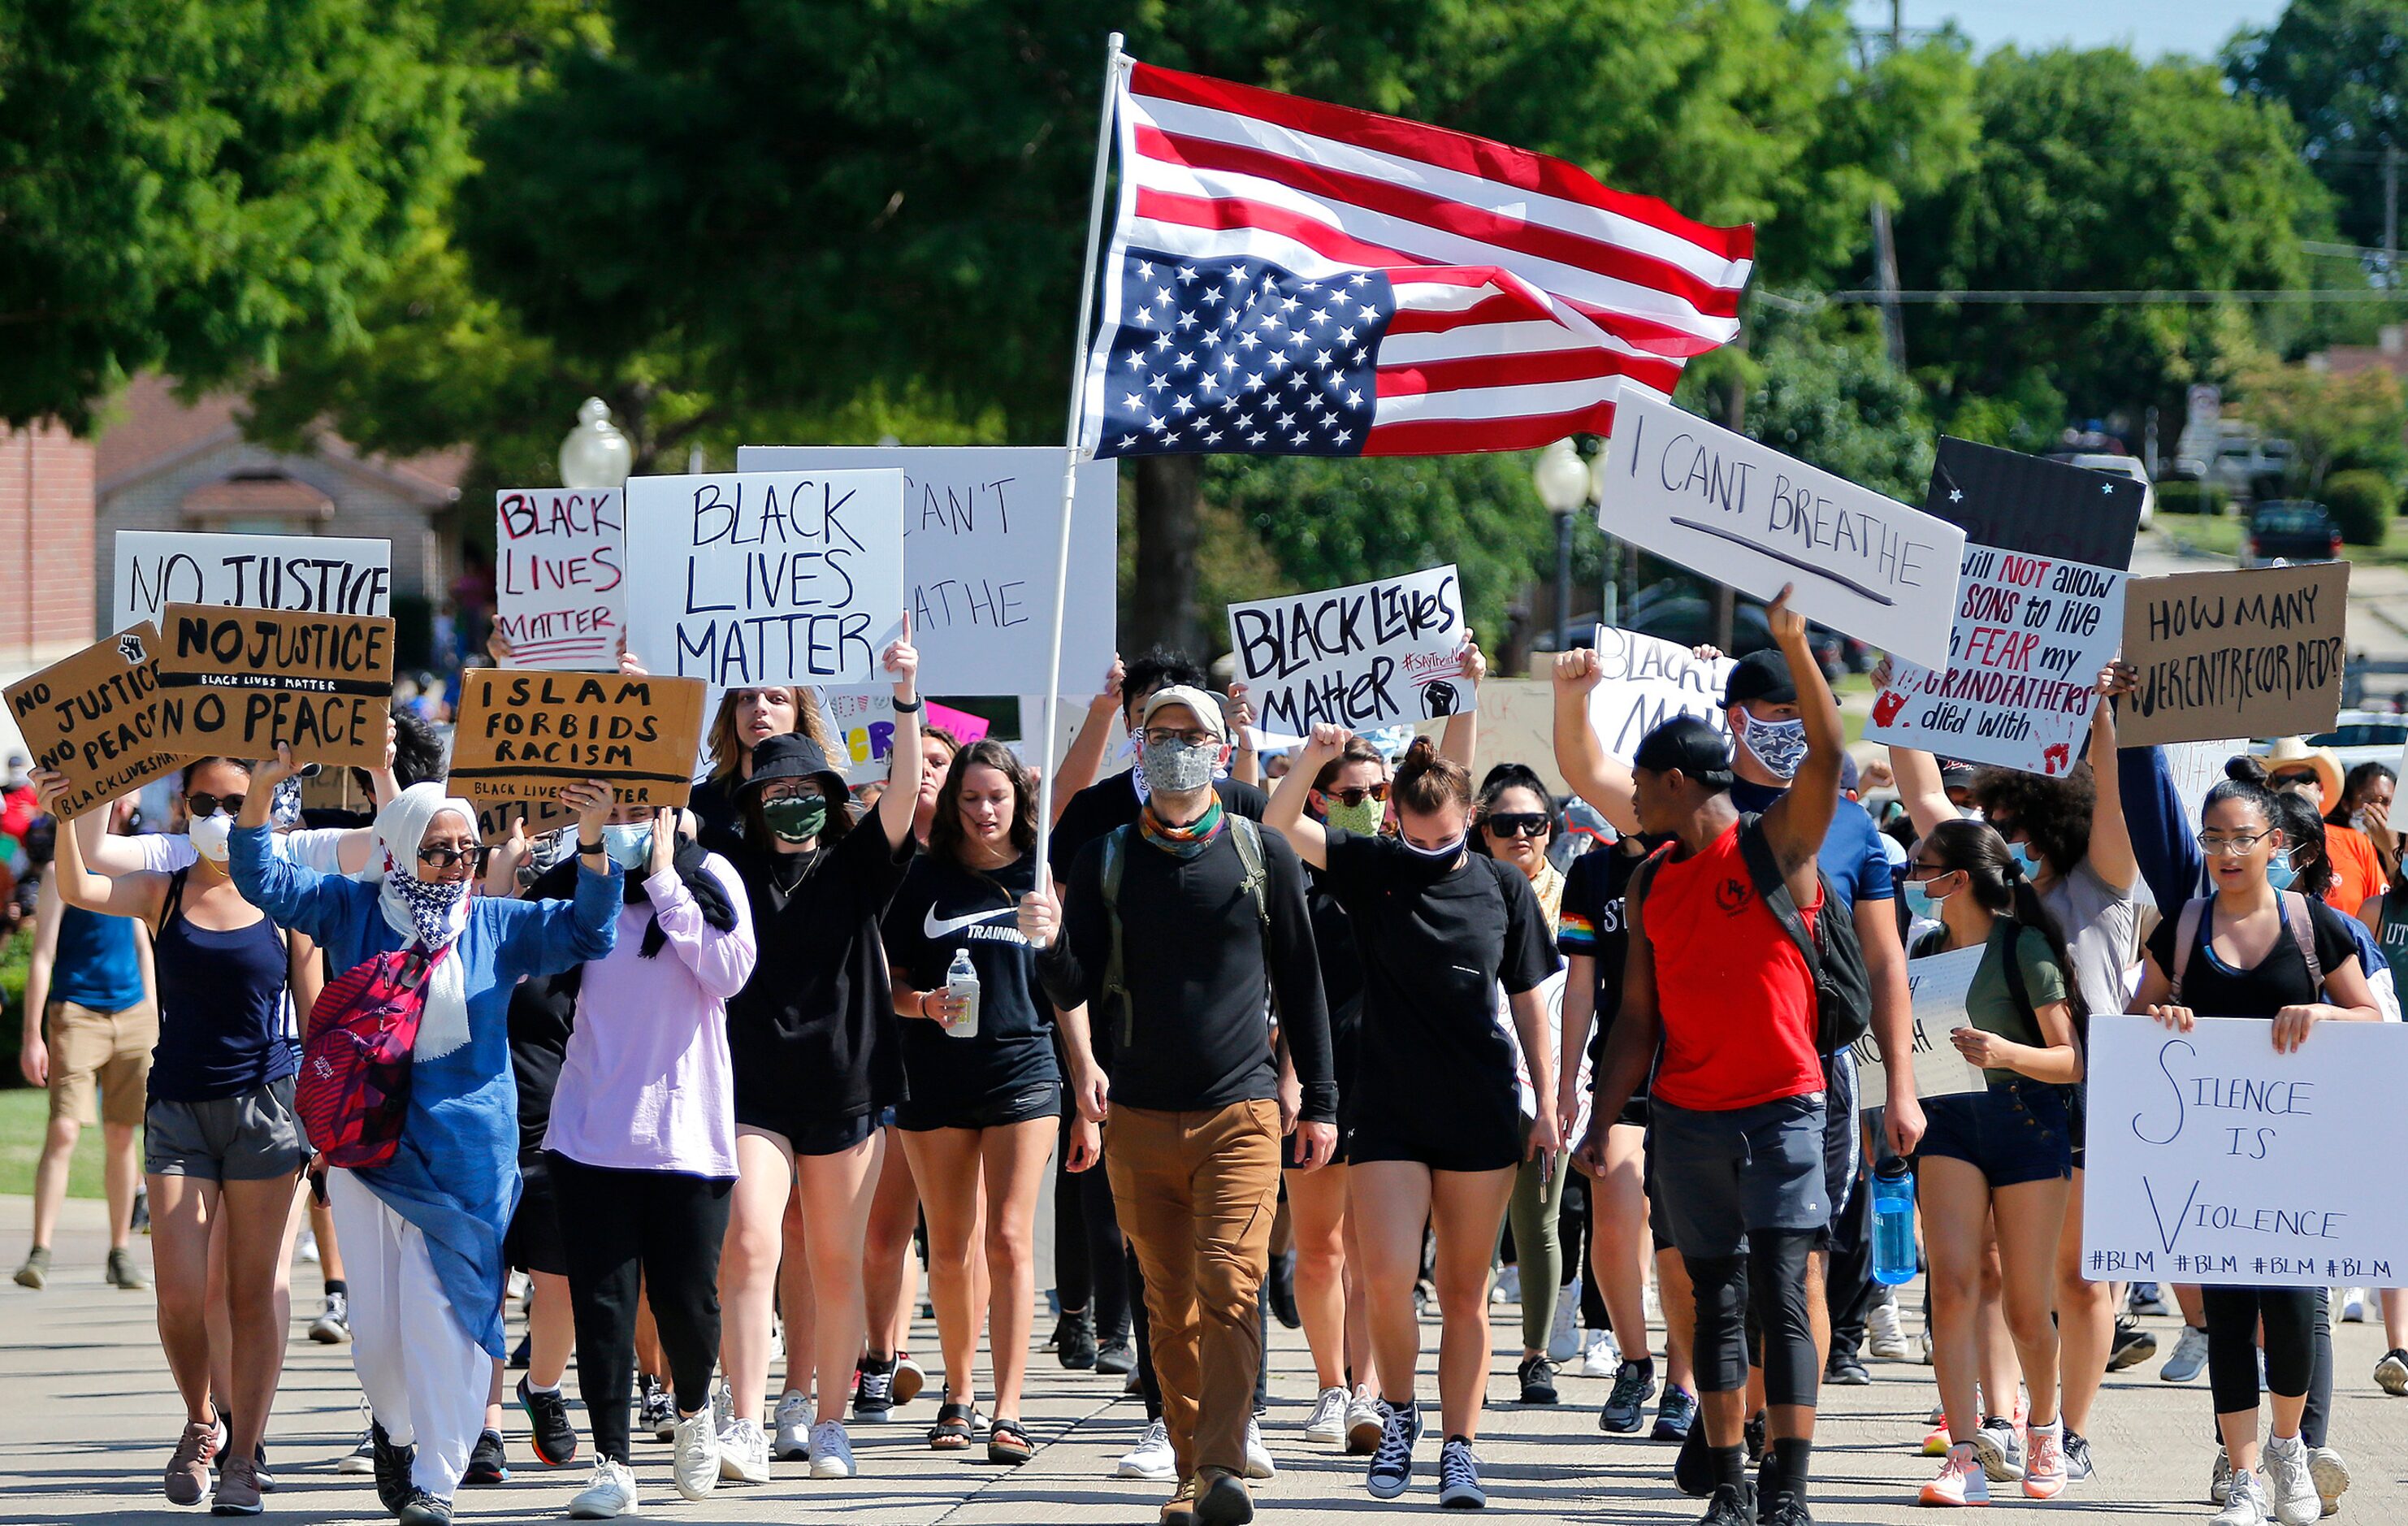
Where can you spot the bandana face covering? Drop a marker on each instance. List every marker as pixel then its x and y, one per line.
pixel 1177 768
pixel 1363 817
pixel 1182 841
pixel 433 906
pixel 1778 745
pixel 286 811
pixel 795 819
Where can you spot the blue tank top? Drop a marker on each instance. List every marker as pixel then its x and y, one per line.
pixel 97 964
pixel 222 1006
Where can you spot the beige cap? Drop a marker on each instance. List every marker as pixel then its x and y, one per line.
pixel 1207 708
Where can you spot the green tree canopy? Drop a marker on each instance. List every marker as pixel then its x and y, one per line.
pixel 2340 68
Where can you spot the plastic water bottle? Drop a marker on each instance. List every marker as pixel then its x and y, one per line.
pixel 962 984
pixel 1893 1223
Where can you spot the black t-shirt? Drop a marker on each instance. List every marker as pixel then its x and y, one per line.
pixel 812 1033
pixel 721 823
pixel 2213 988
pixel 542 1010
pixel 1113 802
pixel 1434 948
pixel 1591 923
pixel 943 907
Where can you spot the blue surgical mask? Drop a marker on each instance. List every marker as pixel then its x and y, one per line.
pixel 2025 858
pixel 627 844
pixel 1922 902
pixel 1778 745
pixel 2279 872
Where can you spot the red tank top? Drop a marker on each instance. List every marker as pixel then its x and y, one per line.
pixel 1737 1000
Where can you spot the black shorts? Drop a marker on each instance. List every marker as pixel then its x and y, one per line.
pixel 1727 1172
pixel 1844 1155
pixel 533 1243
pixel 813 1136
pixel 2015 1132
pixel 1040 1099
pixel 1480 1130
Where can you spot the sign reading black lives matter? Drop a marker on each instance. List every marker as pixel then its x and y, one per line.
pixel 235 682
pixel 1371 654
pixel 1744 514
pixel 2040 610
pixel 769 577
pixel 95 717
pixel 315 574
pixel 1646 680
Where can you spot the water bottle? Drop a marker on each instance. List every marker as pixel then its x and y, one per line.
pixel 1893 1223
pixel 962 984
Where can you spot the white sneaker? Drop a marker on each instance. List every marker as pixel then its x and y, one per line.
pixel 1258 1457
pixel 2330 1476
pixel 694 1465
pixel 1364 1422
pixel 1884 1336
pixel 611 1494
pixel 306 1248
pixel 1564 1336
pixel 2219 1480
pixel 1600 1358
pixel 744 1453
pixel 2353 1307
pixel 1328 1423
pixel 2190 1358
pixel 2244 1505
pixel 1507 1288
pixel 831 1452
pixel 722 1412
pixel 1151 1458
pixel 2289 1491
pixel 792 1418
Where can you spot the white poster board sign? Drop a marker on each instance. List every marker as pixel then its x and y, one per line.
pixel 1366 656
pixel 776 577
pixel 2214 1159
pixel 1746 515
pixel 560 577
pixel 310 574
pixel 861 718
pixel 981 526
pixel 1937 985
pixel 1647 682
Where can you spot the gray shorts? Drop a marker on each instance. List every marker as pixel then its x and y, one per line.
pixel 253 1136
pixel 1720 1175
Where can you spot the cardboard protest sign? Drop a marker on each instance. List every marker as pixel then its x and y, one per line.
pixel 559 577
pixel 1647 682
pixel 95 717
pixel 2214 1159
pixel 1936 985
pixel 233 682
pixel 2258 652
pixel 310 574
pixel 1366 656
pixel 774 577
pixel 982 527
pixel 1744 514
pixel 523 734
pixel 498 814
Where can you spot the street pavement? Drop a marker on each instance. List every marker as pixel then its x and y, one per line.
pixel 87 1420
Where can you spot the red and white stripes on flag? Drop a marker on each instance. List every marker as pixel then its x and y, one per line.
pixel 1527 294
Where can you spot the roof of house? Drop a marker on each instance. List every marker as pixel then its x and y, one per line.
pixel 152 430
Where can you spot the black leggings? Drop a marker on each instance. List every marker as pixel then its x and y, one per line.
pixel 2232 1318
pixel 1572 1231
pixel 1093 1266
pixel 656 1229
pixel 1771 1279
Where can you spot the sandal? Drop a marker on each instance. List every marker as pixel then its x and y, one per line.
pixel 952 1431
pixel 1008 1442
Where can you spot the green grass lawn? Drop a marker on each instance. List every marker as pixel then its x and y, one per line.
pixel 2223 535
pixel 25 1115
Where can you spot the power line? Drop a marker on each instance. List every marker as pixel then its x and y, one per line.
pixel 2110 298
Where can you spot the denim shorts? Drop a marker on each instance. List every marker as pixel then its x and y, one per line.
pixel 2016 1132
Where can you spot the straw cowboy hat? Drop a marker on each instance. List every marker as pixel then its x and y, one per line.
pixel 2289 753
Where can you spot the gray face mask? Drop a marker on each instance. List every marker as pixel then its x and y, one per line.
pixel 1177 768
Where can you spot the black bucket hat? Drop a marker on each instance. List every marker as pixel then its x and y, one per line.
pixel 793 756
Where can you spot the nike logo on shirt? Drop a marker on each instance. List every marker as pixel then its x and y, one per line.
pixel 933 929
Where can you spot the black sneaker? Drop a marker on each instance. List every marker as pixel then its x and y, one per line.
pixel 1392 1465
pixel 1626 1407
pixel 522 1355
pixel 2133 1344
pixel 1732 1504
pixel 424 1509
pixel 1768 1486
pixel 1845 1370
pixel 488 1465
pixel 1756 1445
pixel 1538 1380
pixel 393 1485
pixel 1458 1476
pixel 1675 1413
pixel 1282 1289
pixel 1074 1341
pixel 1789 1510
pixel 1693 1468
pixel 1116 1356
pixel 553 1438
pixel 873 1396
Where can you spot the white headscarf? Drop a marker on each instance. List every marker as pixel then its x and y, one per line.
pixel 400 828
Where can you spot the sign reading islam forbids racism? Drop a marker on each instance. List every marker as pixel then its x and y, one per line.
pixel 1367 655
pixel 524 734
pixel 1744 514
pixel 95 717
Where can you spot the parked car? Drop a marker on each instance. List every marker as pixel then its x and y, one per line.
pixel 2364 736
pixel 2291 531
pixel 2122 466
pixel 2251 467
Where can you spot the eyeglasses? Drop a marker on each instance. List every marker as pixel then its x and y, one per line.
pixel 444 857
pixel 1516 824
pixel 2216 843
pixel 202 807
pixel 1162 737
pixel 1355 795
pixel 1925 872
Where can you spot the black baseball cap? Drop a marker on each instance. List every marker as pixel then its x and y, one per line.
pixel 1762 674
pixel 1690 744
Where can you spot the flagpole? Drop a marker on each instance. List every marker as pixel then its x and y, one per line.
pixel 1071 457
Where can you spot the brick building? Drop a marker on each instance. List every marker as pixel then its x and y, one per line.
pixel 46 554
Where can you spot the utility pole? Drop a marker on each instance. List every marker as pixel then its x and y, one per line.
pixel 1884 243
pixel 2391 212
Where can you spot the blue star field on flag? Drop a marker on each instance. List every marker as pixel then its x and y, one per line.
pixel 1242 355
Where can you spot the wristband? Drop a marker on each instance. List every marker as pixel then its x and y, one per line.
pixel 585 848
pixel 913 708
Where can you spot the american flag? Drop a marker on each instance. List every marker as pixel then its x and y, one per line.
pixel 1295 279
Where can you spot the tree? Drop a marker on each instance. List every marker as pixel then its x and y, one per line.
pixel 2329 418
pixel 191 183
pixel 2340 68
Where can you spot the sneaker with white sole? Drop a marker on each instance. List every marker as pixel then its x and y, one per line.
pixel 360 1461
pixel 1961 1480
pixel 1258 1457
pixel 1563 1333
pixel 2078 1465
pixel 2330 1476
pixel 2291 1495
pixel 1151 1458
pixel 743 1453
pixel 2219 1478
pixel 1458 1475
pixel 2353 1305
pixel 831 1450
pixel 1599 1357
pixel 1392 1465
pixel 1327 1424
pixel 2148 1298
pixel 2391 1373
pixel 792 1418
pixel 656 1408
pixel 2189 1356
pixel 610 1495
pixel 1999 1449
pixel 2244 1503
pixel 722 1412
pixel 694 1464
pixel 1884 1336
pixel 332 1326
pixel 1364 1422
pixel 2044 1471
pixel 1507 1287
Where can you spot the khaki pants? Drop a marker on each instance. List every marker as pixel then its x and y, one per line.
pixel 1197 1193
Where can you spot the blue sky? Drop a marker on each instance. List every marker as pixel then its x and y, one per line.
pixel 2151 27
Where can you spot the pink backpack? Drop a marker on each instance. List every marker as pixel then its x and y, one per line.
pixel 353 1090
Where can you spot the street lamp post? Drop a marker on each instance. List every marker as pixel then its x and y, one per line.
pixel 596 456
pixel 1563 483
pixel 1610 605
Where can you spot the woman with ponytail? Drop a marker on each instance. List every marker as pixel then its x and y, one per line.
pixel 2002 1155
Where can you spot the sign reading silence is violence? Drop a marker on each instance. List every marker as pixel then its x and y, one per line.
pixel 233 682
pixel 523 734
pixel 94 718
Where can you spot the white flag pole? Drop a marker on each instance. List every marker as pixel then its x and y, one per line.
pixel 1112 60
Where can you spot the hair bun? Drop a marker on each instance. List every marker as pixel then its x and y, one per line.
pixel 1420 753
pixel 2246 769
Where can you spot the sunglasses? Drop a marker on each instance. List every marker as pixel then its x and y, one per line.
pixel 2293 778
pixel 1355 795
pixel 1516 824
pixel 202 807
pixel 444 857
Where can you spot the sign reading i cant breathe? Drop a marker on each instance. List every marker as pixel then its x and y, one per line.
pixel 95 717
pixel 235 682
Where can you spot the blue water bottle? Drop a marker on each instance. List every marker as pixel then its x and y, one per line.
pixel 1893 1223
